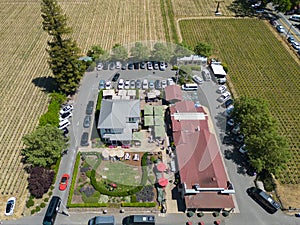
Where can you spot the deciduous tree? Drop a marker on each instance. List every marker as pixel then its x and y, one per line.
pixel 44 146
pixel 203 49
pixel 140 52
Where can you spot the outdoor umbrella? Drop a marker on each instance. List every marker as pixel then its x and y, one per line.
pixel 161 167
pixel 163 182
pixel 105 153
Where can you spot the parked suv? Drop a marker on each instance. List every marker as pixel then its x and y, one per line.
pixel 89 108
pixel 84 139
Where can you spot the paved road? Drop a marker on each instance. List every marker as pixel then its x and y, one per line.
pixel 249 212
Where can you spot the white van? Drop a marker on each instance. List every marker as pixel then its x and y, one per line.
pixel 295 18
pixel 145 84
pixel 189 87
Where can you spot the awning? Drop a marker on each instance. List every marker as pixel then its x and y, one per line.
pixel 159 110
pixel 159 120
pixel 105 153
pixel 148 110
pixel 148 121
pixel 161 167
pixel 112 153
pixel 137 136
pixel 159 131
pixel 120 153
pixel 163 182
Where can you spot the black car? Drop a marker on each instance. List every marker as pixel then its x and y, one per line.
pixel 84 139
pixel 87 121
pixel 89 108
pixel 130 66
pixel 228 102
pixel 124 66
pixel 136 65
pixel 116 77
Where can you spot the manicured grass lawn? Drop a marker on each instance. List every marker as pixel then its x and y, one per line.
pixel 121 173
pixel 259 66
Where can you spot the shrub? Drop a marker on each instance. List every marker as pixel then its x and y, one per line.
pixel 215 214
pixel 200 214
pixel 190 213
pixel 225 213
pixel 88 205
pixel 46 199
pixel 133 198
pixel 146 194
pixel 43 205
pixel 32 211
pixel 40 181
pixel 37 209
pixel 76 167
pixel 50 193
pixel 29 203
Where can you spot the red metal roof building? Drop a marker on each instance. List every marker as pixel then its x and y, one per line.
pixel 204 181
pixel 173 93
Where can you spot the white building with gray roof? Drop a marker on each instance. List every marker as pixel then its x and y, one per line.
pixel 118 119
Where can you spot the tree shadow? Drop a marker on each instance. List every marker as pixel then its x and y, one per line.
pixel 47 84
pixel 242 8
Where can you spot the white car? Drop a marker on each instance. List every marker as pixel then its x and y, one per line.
pixel 242 149
pixel 121 84
pixel 170 81
pixel 280 29
pixel 162 66
pixel 149 66
pixel 118 65
pixel 163 84
pixel 10 206
pixel 99 66
pixel 65 109
pixel 64 124
pixel 108 85
pixel 296 45
pixel 221 89
pixel 64 116
pixel 224 97
pixel 127 84
pixel 197 79
pixel 145 84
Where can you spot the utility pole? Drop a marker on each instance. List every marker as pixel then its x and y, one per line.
pixel 64 210
pixel 217 13
pixel 287 33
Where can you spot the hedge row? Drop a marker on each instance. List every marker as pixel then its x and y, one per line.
pixel 76 168
pixel 87 205
pixel 138 204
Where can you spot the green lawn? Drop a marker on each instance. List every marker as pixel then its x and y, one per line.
pixel 121 173
pixel 259 66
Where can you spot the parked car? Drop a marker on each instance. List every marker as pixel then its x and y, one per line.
pixel 64 116
pixel 170 81
pixel 142 65
pixel 63 124
pixel 228 102
pixel 102 220
pixel 240 138
pixel 127 84
pixel 115 77
pixel 155 65
pixel 124 66
pixel 10 206
pixel 149 66
pixel 206 75
pixel 280 29
pixel 132 84
pixel 99 66
pixel 101 84
pixel 157 84
pixel 145 84
pixel 236 129
pixel 297 214
pixel 136 65
pixel 296 45
pixel 229 110
pixel 64 182
pixel 118 65
pixel 112 66
pixel 163 84
pixel 87 121
pixel 151 84
pixel 224 97
pixel 138 84
pixel 66 108
pixel 230 122
pixel 108 85
pixel 105 65
pixel 291 39
pixel 242 149
pixel 84 139
pixel 221 89
pixel 162 66
pixel 197 79
pixel 130 66
pixel 89 108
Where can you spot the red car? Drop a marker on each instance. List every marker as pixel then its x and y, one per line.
pixel 64 182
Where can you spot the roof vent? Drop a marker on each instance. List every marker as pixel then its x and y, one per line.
pixel 197 128
pixel 196 187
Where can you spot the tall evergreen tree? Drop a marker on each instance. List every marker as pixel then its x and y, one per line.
pixel 63 51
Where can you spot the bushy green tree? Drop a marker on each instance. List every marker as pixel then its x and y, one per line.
pixel 161 52
pixel 203 49
pixel 95 52
pixel 44 146
pixel 119 53
pixel 140 52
